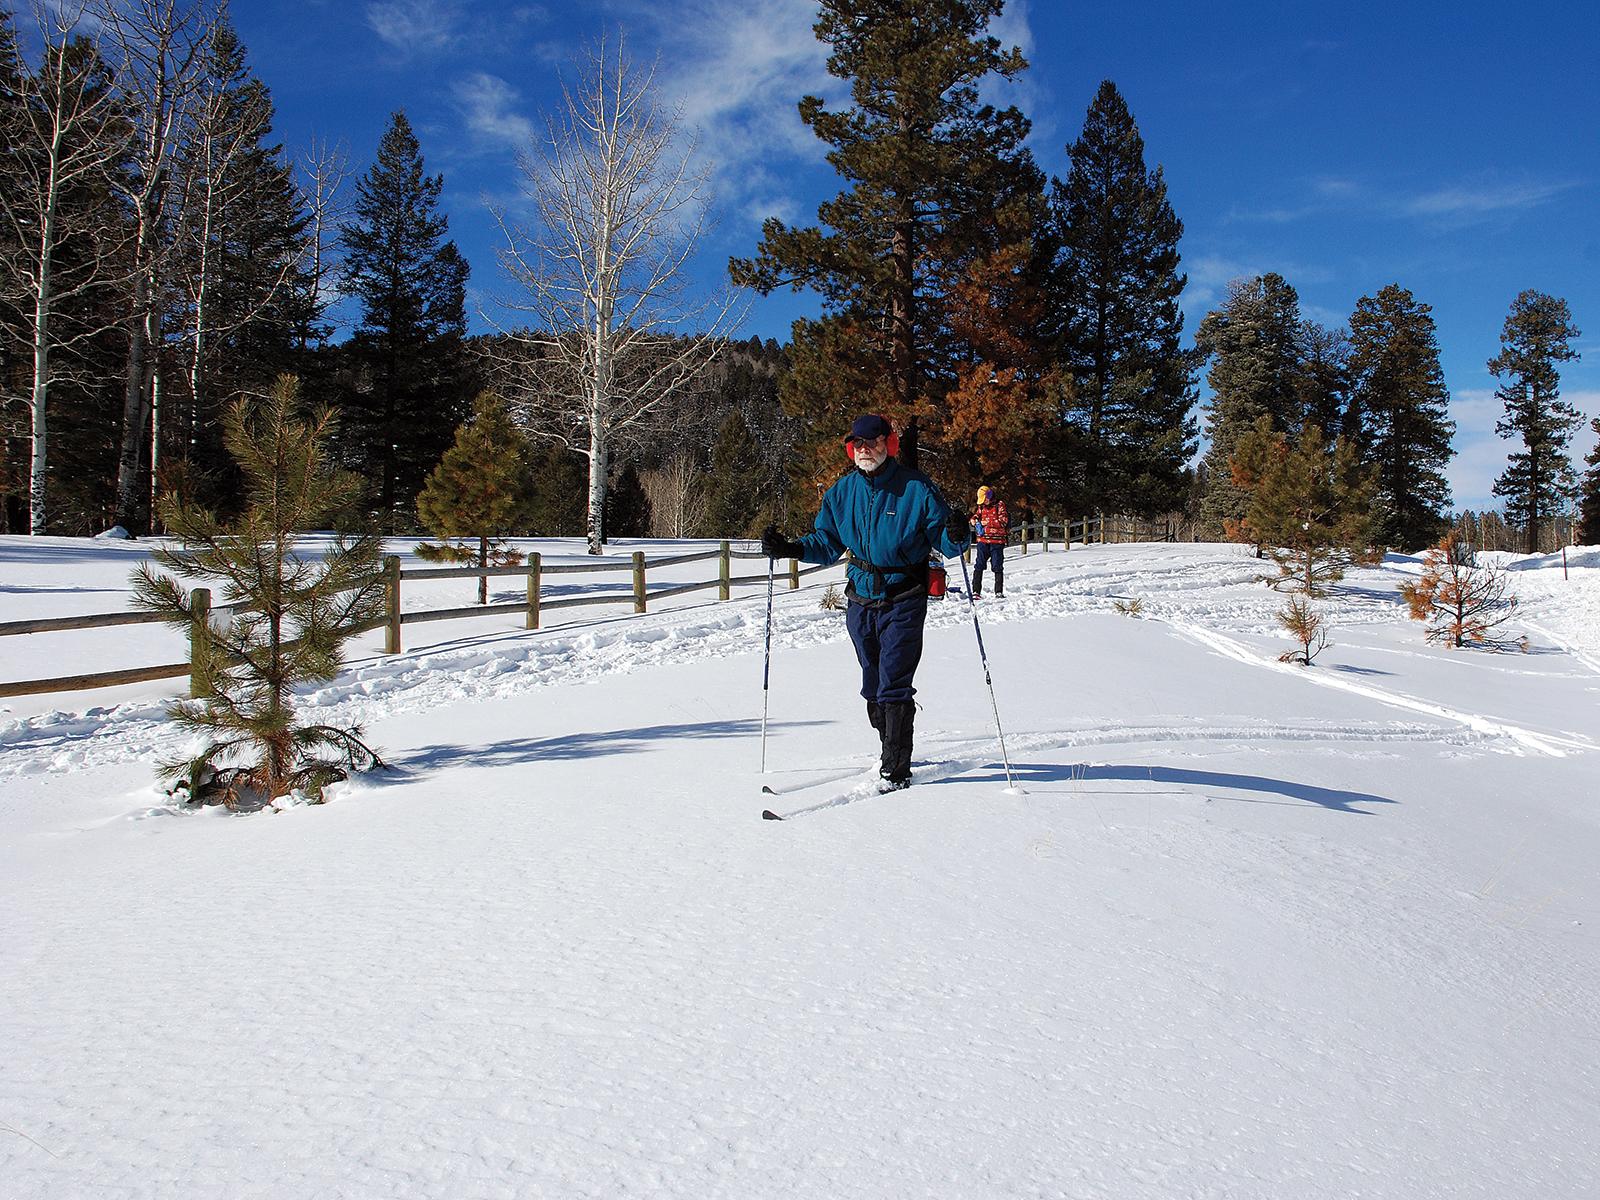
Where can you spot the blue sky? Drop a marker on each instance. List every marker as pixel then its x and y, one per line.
pixel 1453 148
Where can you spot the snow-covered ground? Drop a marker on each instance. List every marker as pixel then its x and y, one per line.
pixel 1248 930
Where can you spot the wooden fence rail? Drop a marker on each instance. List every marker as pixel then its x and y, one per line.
pixel 1082 530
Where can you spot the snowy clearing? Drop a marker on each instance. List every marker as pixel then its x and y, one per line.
pixel 1252 930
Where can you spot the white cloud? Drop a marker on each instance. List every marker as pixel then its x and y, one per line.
pixel 1481 200
pixel 414 26
pixel 489 105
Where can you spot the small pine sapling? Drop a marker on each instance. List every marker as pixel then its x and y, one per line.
pixel 1307 627
pixel 1132 606
pixel 480 493
pixel 291 614
pixel 1463 603
pixel 831 598
pixel 1309 504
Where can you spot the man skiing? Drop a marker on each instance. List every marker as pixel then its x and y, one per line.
pixel 991 526
pixel 888 517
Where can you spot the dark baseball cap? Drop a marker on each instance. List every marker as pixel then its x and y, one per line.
pixel 869 427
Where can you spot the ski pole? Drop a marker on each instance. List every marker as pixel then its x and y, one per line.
pixel 983 655
pixel 766 668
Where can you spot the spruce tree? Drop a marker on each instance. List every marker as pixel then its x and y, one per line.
pixel 732 506
pixel 560 503
pixel 925 165
pixel 1252 342
pixel 1538 479
pixel 1399 413
pixel 1119 278
pixel 292 613
pixel 480 493
pixel 412 384
pixel 627 510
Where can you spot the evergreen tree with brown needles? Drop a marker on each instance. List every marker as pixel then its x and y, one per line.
pixel 1463 603
pixel 480 493
pixel 291 612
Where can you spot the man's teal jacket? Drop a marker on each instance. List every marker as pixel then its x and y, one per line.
pixel 891 519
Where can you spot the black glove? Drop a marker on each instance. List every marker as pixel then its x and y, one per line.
pixel 959 527
pixel 775 545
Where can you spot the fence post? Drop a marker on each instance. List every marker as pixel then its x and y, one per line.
pixel 391 591
pixel 723 571
pixel 794 574
pixel 638 581
pixel 534 566
pixel 199 638
pixel 1066 533
pixel 1044 541
pixel 1024 537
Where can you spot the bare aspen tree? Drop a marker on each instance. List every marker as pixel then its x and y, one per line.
pixel 618 208
pixel 232 114
pixel 64 137
pixel 323 170
pixel 160 47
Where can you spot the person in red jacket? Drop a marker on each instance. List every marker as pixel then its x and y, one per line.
pixel 991 527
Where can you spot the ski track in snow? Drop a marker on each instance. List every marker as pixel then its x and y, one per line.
pixel 1196 596
pixel 555 964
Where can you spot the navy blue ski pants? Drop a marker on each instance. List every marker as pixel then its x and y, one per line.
pixel 991 554
pixel 888 645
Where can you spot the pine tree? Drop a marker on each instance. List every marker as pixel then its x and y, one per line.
pixel 1323 382
pixel 1000 415
pixel 1252 343
pixel 1538 479
pixel 480 493
pixel 1400 406
pixel 926 167
pixel 1462 602
pixel 1119 278
pixel 412 383
pixel 1310 503
pixel 292 614
pixel 1589 494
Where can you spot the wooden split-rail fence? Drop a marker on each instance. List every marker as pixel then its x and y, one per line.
pixel 1087 529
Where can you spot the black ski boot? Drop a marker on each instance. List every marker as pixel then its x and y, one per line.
pixel 899 717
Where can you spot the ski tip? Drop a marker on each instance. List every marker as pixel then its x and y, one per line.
pixel 768 815
pixel 767 791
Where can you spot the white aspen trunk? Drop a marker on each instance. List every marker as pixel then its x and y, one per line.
pixel 598 466
pixel 41 367
pixel 41 386
pixel 155 440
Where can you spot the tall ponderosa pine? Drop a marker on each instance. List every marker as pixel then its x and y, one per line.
pixel 926 168
pixel 412 383
pixel 480 492
pixel 1252 341
pixel 1538 479
pixel 1399 415
pixel 1131 394
pixel 293 617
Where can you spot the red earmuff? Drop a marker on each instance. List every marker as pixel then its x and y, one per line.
pixel 892 446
